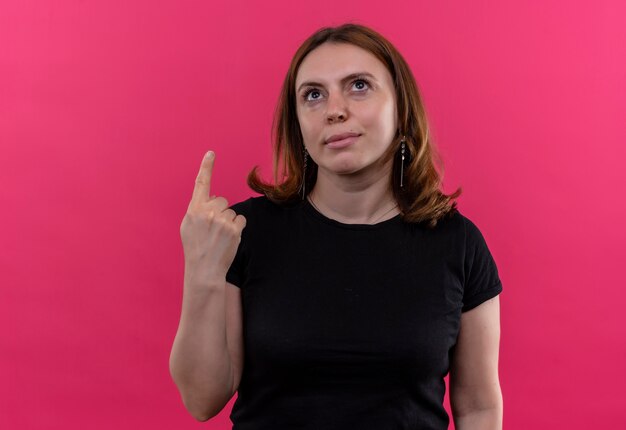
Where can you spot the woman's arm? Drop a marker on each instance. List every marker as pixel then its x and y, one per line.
pixel 207 355
pixel 475 394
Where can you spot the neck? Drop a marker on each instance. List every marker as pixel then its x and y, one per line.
pixel 366 200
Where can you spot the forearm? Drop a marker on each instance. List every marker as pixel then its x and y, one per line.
pixel 199 362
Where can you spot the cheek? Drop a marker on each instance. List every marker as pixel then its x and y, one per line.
pixel 306 128
pixel 312 125
pixel 380 116
pixel 304 123
pixel 310 132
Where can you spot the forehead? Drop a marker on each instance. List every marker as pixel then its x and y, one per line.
pixel 332 61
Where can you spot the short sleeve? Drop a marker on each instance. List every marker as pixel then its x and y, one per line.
pixel 236 274
pixel 482 281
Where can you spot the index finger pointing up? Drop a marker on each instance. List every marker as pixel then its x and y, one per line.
pixel 203 181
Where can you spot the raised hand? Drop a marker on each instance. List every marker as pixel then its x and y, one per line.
pixel 210 231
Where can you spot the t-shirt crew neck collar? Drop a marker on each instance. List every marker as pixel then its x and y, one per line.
pixel 311 210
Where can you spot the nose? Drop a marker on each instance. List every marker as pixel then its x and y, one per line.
pixel 336 108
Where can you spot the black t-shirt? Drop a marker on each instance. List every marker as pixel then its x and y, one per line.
pixel 351 325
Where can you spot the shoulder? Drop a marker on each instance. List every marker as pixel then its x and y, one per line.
pixel 461 224
pixel 474 237
pixel 482 280
pixel 265 220
pixel 259 208
pixel 248 206
pixel 463 231
pixel 453 225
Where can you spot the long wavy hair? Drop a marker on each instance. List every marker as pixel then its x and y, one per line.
pixel 420 199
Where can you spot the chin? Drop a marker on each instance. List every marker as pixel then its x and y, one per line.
pixel 343 162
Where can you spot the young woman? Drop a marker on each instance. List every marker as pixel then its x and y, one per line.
pixel 346 292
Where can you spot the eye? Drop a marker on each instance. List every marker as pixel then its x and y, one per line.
pixel 361 81
pixel 305 96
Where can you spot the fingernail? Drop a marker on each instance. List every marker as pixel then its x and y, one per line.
pixel 209 154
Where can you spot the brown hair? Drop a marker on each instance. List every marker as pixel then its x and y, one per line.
pixel 420 199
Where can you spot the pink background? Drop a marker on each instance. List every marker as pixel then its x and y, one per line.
pixel 106 109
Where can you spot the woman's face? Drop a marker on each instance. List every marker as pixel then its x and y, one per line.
pixel 342 88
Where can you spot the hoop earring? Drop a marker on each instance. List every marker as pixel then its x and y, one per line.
pixel 303 184
pixel 402 163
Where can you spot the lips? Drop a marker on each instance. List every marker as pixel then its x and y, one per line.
pixel 341 136
pixel 342 143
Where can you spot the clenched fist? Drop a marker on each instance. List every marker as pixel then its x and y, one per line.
pixel 210 232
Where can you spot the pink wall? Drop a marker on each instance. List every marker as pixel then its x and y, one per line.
pixel 107 107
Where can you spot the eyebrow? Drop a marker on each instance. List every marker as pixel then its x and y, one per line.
pixel 344 80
